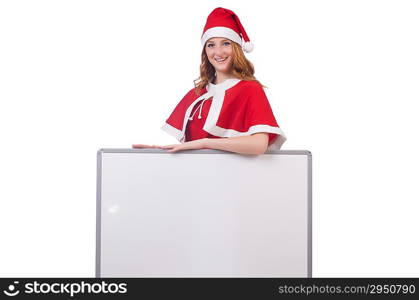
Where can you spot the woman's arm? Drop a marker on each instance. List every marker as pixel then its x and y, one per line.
pixel 256 143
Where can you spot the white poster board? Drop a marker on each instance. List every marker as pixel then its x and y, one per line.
pixel 203 213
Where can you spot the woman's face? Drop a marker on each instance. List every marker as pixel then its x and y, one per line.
pixel 220 54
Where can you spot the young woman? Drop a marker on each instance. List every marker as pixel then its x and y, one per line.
pixel 227 109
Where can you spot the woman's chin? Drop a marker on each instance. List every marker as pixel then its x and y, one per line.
pixel 225 69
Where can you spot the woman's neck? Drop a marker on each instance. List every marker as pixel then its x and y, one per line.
pixel 220 77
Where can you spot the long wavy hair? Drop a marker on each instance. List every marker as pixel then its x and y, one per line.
pixel 242 68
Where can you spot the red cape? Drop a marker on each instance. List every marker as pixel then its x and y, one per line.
pixel 238 108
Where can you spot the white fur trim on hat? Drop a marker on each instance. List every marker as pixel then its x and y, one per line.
pixel 221 32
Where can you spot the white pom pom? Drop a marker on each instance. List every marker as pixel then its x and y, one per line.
pixel 248 47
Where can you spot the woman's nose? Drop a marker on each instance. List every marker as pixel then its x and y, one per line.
pixel 218 50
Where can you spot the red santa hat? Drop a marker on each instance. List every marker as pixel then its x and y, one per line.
pixel 223 22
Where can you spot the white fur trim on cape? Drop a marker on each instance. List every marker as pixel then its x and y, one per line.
pixel 176 133
pixel 218 92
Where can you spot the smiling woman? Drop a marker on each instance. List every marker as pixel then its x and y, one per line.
pixel 234 112
pixel 219 52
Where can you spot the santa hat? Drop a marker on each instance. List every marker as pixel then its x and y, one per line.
pixel 223 22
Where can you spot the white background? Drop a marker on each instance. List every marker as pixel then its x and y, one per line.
pixel 77 76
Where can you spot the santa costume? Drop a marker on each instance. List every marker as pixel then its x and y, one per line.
pixel 231 108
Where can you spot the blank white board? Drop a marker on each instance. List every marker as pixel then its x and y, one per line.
pixel 203 213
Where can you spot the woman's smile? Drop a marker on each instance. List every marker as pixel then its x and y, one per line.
pixel 220 60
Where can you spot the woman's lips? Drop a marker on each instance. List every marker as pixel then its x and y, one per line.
pixel 221 61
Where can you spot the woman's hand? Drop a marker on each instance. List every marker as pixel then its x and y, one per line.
pixel 197 144
pixel 145 146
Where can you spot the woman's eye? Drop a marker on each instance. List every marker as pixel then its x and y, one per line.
pixel 225 44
